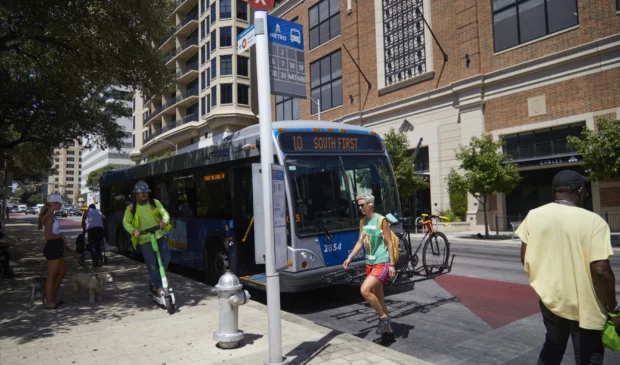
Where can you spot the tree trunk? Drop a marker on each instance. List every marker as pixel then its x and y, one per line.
pixel 486 224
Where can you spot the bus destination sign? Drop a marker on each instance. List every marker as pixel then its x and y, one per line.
pixel 323 142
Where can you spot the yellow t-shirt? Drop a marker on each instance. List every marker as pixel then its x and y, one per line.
pixel 562 241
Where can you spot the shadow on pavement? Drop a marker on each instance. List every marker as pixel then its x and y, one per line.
pixel 305 352
pixel 122 299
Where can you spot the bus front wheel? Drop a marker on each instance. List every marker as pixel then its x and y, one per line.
pixel 216 258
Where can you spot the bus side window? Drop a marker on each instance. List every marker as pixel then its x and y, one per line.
pixel 213 198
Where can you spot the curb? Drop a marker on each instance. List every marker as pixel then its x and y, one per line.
pixel 350 339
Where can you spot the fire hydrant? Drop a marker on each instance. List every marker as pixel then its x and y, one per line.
pixel 230 296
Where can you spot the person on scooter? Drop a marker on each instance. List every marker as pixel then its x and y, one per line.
pixel 142 214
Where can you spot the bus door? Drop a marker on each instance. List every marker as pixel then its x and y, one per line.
pixel 243 218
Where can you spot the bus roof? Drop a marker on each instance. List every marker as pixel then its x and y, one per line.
pixel 233 147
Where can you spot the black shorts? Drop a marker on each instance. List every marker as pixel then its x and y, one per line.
pixel 54 249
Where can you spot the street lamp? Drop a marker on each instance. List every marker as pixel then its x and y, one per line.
pixel 176 148
pixel 318 103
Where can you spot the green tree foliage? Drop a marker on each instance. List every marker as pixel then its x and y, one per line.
pixel 457 189
pixel 408 182
pixel 92 181
pixel 38 198
pixel 31 162
pixel 600 150
pixel 59 58
pixel 23 194
pixel 487 170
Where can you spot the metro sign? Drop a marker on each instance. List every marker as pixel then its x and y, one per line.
pixel 261 4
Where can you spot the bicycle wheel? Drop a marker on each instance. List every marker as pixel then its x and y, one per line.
pixel 435 254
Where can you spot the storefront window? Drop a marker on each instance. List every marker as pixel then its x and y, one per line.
pixel 541 143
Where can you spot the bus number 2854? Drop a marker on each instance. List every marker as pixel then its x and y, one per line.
pixel 333 247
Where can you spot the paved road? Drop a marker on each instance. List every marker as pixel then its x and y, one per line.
pixel 482 313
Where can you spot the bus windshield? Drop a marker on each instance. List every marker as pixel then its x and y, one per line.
pixel 324 190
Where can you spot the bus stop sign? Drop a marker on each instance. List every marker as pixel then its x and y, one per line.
pixel 261 4
pixel 287 65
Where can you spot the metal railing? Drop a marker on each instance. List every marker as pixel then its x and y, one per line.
pixel 190 92
pixel 190 67
pixel 166 37
pixel 187 19
pixel 613 220
pixel 190 118
pixel 172 54
pixel 193 41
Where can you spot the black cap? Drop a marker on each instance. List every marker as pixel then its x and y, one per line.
pixel 570 179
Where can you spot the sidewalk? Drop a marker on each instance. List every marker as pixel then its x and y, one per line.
pixel 126 328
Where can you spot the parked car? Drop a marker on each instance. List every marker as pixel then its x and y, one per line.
pixel 74 211
pixel 61 213
pixel 31 210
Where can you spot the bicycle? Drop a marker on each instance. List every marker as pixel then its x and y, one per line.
pixel 435 250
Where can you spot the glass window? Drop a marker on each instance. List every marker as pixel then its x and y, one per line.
pixel 225 65
pixel 226 94
pixel 225 9
pixel 243 94
pixel 203 54
pixel 133 141
pixel 287 108
pixel 213 197
pixel 242 66
pixel 203 80
pixel 242 10
pixel 214 40
pixel 208 77
pixel 214 96
pixel 326 81
pixel 214 68
pixel 134 122
pixel 203 29
pixel 542 143
pixel 213 13
pixel 203 106
pixel 203 6
pixel 225 36
pixel 324 22
pixel 208 104
pixel 516 22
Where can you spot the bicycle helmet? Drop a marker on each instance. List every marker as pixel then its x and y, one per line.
pixel 141 187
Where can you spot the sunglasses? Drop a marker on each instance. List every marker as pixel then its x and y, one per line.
pixel 361 206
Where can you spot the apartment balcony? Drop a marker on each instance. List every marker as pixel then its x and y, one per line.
pixel 148 99
pixel 188 25
pixel 187 73
pixel 183 6
pixel 170 56
pixel 189 97
pixel 160 110
pixel 171 126
pixel 167 43
pixel 185 51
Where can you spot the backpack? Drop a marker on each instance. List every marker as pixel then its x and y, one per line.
pixel 395 243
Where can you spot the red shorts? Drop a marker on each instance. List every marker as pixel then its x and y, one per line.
pixel 380 271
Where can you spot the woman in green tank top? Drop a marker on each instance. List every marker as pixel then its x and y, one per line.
pixel 379 261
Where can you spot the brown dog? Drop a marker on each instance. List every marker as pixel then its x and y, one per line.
pixel 91 282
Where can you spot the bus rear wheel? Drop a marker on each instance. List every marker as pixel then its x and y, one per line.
pixel 216 259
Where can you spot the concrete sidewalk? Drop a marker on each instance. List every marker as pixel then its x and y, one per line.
pixel 126 328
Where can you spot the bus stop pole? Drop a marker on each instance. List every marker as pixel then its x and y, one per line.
pixel 266 160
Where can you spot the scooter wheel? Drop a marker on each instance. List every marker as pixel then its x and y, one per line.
pixel 169 305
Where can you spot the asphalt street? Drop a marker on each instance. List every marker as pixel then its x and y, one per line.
pixel 484 312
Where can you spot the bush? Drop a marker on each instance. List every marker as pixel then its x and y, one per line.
pixel 450 215
pixel 457 188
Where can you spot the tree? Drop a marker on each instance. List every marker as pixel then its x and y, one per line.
pixel 457 189
pixel 58 60
pixel 38 198
pixel 600 149
pixel 92 181
pixel 23 193
pixel 487 170
pixel 407 180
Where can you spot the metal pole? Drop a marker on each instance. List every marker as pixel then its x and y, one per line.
pixel 497 225
pixel 266 160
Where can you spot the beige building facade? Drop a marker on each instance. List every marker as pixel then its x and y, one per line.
pixel 68 164
pixel 211 96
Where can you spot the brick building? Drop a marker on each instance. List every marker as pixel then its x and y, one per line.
pixel 532 71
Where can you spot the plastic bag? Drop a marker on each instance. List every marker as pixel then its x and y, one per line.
pixel 611 338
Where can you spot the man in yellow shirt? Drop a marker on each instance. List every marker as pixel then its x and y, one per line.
pixel 565 251
pixel 144 214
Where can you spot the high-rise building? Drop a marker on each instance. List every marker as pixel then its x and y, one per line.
pixel 210 97
pixel 68 165
pixel 94 157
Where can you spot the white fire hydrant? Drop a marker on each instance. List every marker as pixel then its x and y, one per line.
pixel 230 296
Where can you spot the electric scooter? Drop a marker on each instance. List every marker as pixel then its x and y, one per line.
pixel 166 298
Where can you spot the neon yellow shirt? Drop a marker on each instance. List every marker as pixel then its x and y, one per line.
pixel 145 218
pixel 562 241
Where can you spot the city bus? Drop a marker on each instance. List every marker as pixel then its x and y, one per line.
pixel 210 196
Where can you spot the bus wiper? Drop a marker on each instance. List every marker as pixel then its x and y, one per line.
pixel 317 219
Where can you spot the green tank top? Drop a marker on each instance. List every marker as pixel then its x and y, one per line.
pixel 372 238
